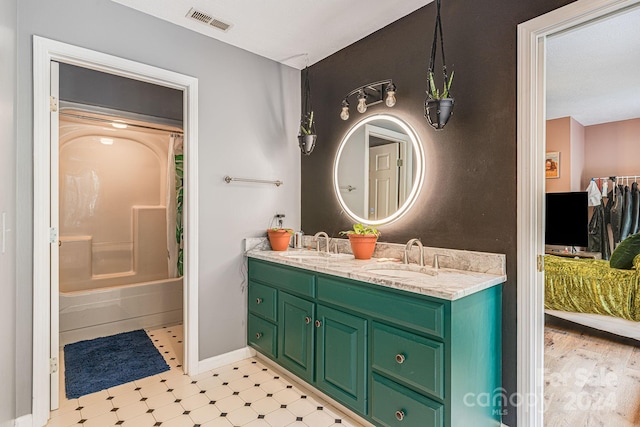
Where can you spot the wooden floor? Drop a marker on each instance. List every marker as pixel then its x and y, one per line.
pixel 591 378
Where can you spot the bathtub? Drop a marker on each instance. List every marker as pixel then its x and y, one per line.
pixel 87 314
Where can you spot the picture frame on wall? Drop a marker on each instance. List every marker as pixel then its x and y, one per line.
pixel 552 164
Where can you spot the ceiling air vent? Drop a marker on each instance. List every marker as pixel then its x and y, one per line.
pixel 205 18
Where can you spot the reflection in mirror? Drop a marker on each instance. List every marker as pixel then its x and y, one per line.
pixel 378 169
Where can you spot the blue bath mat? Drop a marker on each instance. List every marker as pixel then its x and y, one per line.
pixel 101 363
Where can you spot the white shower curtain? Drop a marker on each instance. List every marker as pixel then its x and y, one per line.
pixel 174 204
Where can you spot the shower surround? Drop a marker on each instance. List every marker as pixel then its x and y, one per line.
pixel 113 269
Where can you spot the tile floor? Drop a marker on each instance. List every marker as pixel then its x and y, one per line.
pixel 247 393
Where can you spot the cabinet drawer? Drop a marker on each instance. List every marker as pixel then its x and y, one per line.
pixel 263 301
pixel 395 406
pixel 286 278
pixel 262 335
pixel 409 358
pixel 406 310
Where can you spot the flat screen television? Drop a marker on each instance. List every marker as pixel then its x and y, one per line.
pixel 567 219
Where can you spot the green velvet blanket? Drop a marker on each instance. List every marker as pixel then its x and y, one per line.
pixel 591 286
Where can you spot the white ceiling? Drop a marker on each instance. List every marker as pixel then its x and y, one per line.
pixel 593 72
pixel 284 30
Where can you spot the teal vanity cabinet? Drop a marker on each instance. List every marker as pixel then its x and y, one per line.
pixel 394 357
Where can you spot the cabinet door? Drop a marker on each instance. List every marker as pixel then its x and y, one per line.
pixel 295 332
pixel 341 359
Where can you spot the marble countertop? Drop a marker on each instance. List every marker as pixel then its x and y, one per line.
pixel 444 283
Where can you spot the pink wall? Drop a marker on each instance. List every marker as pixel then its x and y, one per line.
pixel 566 136
pixel 612 149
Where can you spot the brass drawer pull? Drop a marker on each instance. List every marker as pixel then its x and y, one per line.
pixel 400 358
pixel 318 323
pixel 258 300
pixel 307 320
pixel 399 415
pixel 259 335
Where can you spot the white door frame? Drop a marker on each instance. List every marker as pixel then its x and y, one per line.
pixel 45 51
pixel 531 186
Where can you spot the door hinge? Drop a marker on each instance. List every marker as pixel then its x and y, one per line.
pixel 540 263
pixel 53 104
pixel 53 235
pixel 399 163
pixel 53 365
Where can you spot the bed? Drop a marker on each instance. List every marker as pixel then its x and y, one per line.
pixel 591 293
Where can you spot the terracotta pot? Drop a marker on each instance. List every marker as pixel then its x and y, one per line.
pixel 279 239
pixel 363 245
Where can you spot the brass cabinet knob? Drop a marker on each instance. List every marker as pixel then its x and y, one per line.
pixel 307 320
pixel 318 323
pixel 258 300
pixel 400 358
pixel 259 335
pixel 399 415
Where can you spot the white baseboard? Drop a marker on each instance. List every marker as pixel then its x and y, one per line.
pixel 225 359
pixel 24 421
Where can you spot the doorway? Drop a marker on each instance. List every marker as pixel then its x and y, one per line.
pixel 531 185
pixel 45 227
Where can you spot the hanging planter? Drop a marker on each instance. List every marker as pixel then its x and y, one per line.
pixel 307 135
pixel 438 107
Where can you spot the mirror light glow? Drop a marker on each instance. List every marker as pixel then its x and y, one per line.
pixel 419 170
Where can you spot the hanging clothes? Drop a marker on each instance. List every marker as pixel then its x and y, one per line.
pixel 635 209
pixel 627 209
pixel 593 194
pixel 615 206
pixel 598 234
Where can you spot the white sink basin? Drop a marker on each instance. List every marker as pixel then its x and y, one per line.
pixel 402 271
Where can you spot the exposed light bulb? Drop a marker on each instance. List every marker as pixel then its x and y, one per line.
pixel 362 104
pixel 390 101
pixel 344 115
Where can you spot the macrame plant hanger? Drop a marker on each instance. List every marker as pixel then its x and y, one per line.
pixel 438 107
pixel 307 134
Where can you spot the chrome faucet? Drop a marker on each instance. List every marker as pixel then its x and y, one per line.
pixel 407 248
pixel 326 237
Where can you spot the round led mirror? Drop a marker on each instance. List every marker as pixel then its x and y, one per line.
pixel 378 170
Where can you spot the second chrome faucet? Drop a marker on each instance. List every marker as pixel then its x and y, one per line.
pixel 407 249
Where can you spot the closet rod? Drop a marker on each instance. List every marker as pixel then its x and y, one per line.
pixel 634 177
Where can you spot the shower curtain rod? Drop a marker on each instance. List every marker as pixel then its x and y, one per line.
pixel 99 119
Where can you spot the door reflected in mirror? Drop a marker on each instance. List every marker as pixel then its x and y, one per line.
pixel 378 170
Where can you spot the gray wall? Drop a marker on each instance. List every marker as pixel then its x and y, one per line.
pixel 468 200
pixel 248 119
pixel 8 20
pixel 85 86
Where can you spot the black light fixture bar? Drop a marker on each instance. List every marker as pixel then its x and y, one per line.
pixel 369 95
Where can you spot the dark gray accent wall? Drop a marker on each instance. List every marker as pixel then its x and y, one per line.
pixel 468 200
pixel 91 87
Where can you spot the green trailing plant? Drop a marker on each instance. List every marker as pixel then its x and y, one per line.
pixel 433 91
pixel 362 230
pixel 179 162
pixel 306 124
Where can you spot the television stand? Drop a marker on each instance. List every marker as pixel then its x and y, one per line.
pixel 576 254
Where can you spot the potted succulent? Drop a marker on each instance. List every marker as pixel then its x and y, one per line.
pixel 363 240
pixel 438 107
pixel 307 135
pixel 279 238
